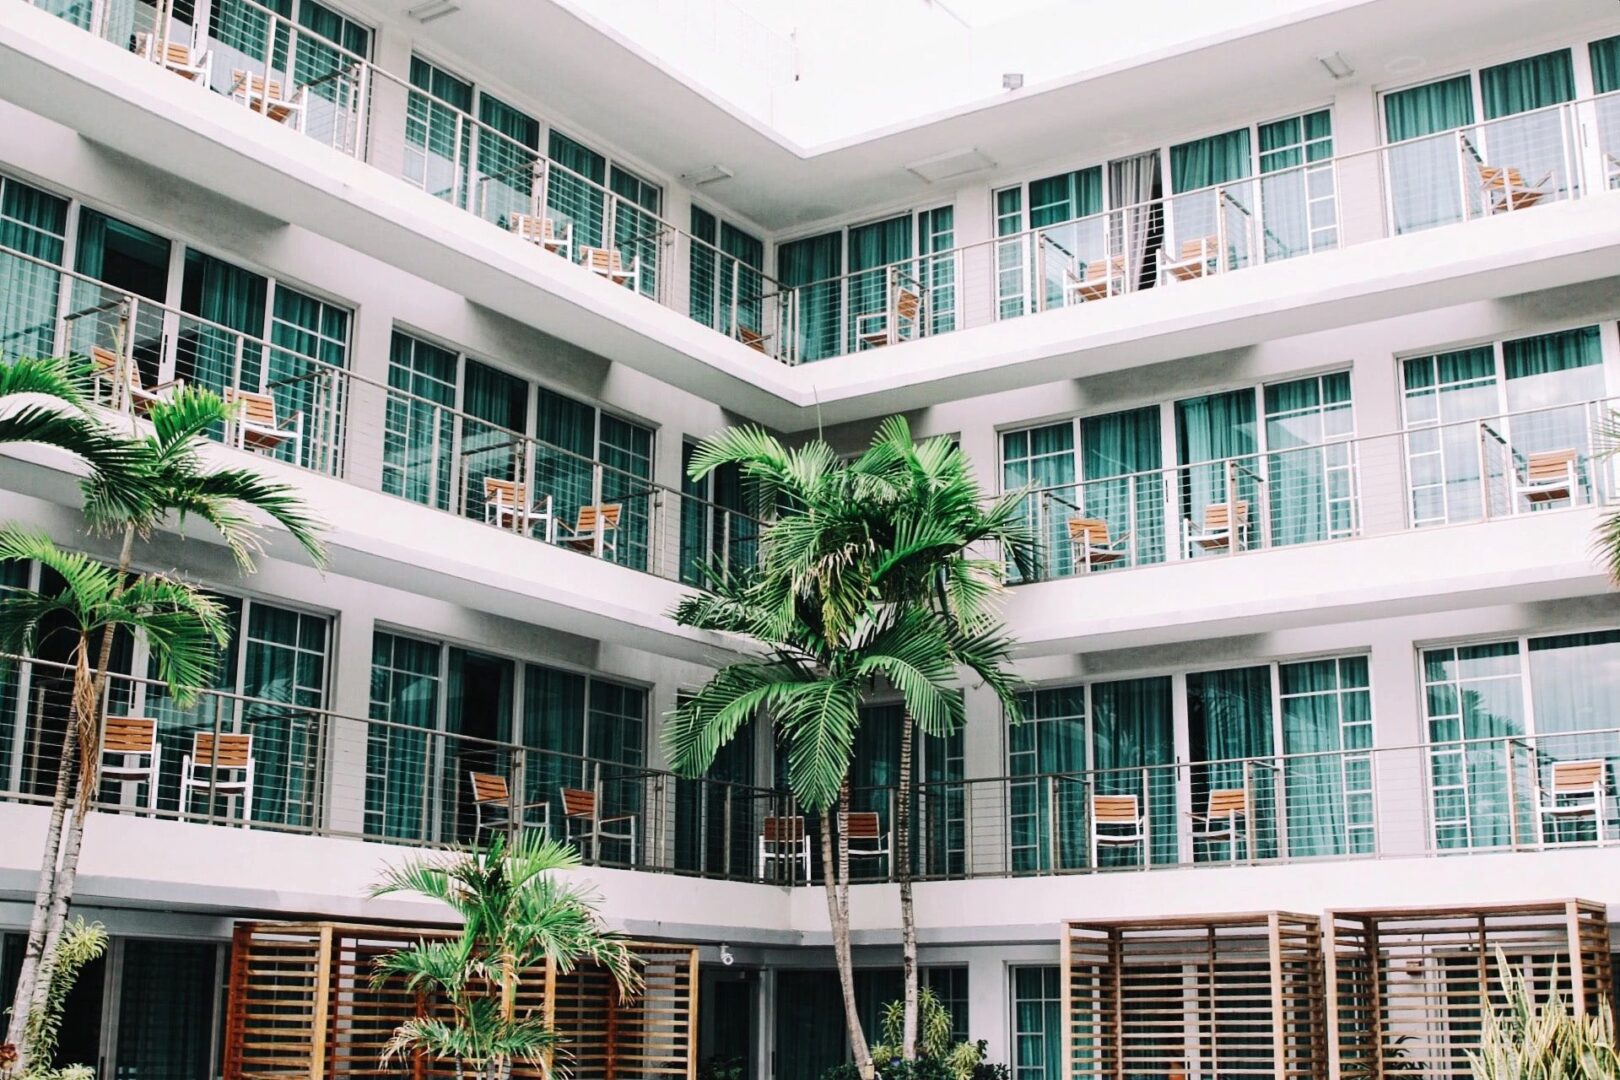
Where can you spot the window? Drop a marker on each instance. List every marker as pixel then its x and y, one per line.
pixel 936 790
pixel 727 287
pixel 419 422
pixel 1435 134
pixel 1037 1022
pixel 32 223
pixel 718 530
pixel 811 268
pixel 1504 401
pixel 950 986
pixel 1553 696
pixel 437 139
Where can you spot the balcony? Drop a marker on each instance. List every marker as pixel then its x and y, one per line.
pixel 308 771
pixel 1484 172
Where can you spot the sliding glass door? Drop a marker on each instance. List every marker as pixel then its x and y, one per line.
pixel 1298 197
pixel 406 682
pixel 493 444
pixel 1426 156
pixel 508 149
pixel 1326 715
pixel 1202 219
pixel 1523 132
pixel 438 138
pixel 1231 739
pixel 1120 463
pixel 34 223
pixel 1310 469
pixel 419 425
pixel 1217 442
pixel 1046 814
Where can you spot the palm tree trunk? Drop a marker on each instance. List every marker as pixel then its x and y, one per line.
pixel 835 874
pixel 44 891
pixel 59 864
pixel 908 914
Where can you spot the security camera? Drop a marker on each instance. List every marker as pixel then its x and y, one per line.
pixel 725 955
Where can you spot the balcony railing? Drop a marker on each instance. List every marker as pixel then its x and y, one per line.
pixel 307 770
pixel 1531 461
pixel 287 74
pixel 382 437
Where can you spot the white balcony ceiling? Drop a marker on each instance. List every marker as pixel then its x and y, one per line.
pixel 796 163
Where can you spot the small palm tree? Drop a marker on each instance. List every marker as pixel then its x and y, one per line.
pixel 184 630
pixel 515 915
pixel 904 525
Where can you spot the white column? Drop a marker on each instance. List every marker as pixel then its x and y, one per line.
pixel 346 734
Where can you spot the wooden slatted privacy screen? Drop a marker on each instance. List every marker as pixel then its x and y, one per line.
pixel 1407 981
pixel 1219 995
pixel 301 1005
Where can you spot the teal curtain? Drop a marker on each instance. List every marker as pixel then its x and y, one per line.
pixel 1426 172
pixel 874 774
pixel 1195 167
pixel 1297 186
pixel 875 988
pixel 508 147
pixel 716 528
pixel 124 259
pixel 405 686
pixel 1472 692
pixel 638 233
pixel 419 422
pixel 492 432
pixel 1056 203
pixel 811 269
pixel 1327 711
pixel 478 699
pixel 616 737
pixel 1550 370
pixel 1309 473
pixel 746 256
pixel 177 722
pixel 1043 460
pixel 809 1020
pixel 309 341
pixel 704 807
pixel 554 733
pixel 33 222
pixel 1216 443
pixel 326 62
pixel 1575 692
pixel 284 666
pixel 936 235
pixel 1050 741
pixel 574 192
pixel 166 1004
pixel 234 298
pixel 872 248
pixel 1120 458
pixel 1524 132
pixel 1133 731
pixel 626 454
pixel 1037 1003
pixel 438 132
pixel 1230 740
pixel 1441 393
pixel 703 272
pixel 939 833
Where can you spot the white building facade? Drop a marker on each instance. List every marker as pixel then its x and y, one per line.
pixel 1301 325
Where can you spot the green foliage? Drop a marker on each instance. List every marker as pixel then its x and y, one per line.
pixel 866 574
pixel 515 915
pixel 937 1057
pixel 933 1027
pixel 715 1068
pixel 79 944
pixel 1533 1039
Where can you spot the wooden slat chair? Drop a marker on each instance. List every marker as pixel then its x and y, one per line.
pixel 1548 476
pixel 178 57
pixel 1223 528
pixel 867 837
pixel 784 839
pixel 751 338
pixel 1198 257
pixel 1505 190
pixel 1575 789
pixel 492 806
pixel 598 529
pixel 507 506
pixel 1118 821
pixel 542 230
pixel 607 263
pixel 582 821
pixel 130 753
pixel 900 320
pixel 1101 279
pixel 1092 545
pixel 265 96
pixel 106 362
pixel 222 769
pixel 1225 817
pixel 256 427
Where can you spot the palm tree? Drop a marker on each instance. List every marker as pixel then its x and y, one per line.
pixel 183 629
pixel 898 526
pixel 515 915
pixel 136 483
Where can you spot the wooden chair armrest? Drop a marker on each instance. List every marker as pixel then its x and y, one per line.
pixel 616 817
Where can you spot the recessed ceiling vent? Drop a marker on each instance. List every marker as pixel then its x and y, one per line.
pixel 950 165
pixel 706 176
pixel 433 9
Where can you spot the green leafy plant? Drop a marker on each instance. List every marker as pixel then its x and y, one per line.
pixel 1531 1039
pixel 716 1068
pixel 79 944
pixel 515 915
